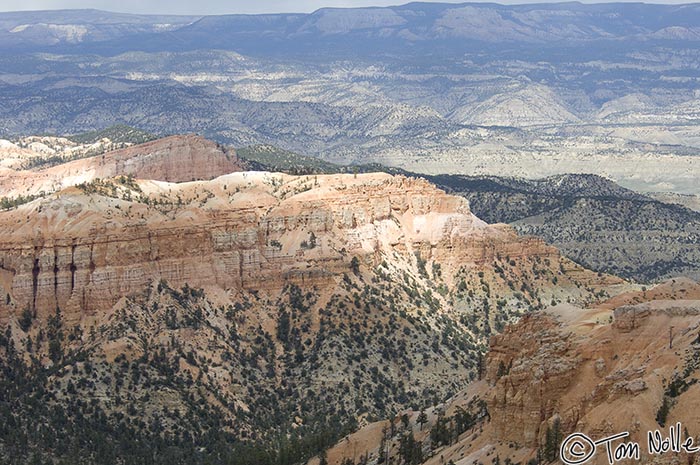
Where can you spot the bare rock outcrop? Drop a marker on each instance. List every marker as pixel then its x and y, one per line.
pixel 530 367
pixel 599 379
pixel 82 251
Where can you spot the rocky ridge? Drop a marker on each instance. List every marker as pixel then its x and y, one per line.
pixel 591 219
pixel 82 252
pixel 174 159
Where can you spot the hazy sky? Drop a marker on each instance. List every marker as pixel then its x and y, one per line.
pixel 200 7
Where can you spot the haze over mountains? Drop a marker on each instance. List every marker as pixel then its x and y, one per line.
pixel 528 90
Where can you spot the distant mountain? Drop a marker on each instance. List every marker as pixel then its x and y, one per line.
pixel 27 29
pixel 507 90
pixel 354 30
pixel 502 199
pixel 520 107
pixel 593 221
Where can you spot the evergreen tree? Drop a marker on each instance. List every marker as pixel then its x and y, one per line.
pixel 355 265
pixel 663 411
pixel 422 419
pixel 25 320
pixel 410 450
pixel 441 433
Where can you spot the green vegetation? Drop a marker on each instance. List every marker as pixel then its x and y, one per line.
pixel 680 383
pixel 311 243
pixel 275 159
pixel 553 437
pixel 125 188
pixel 7 203
pixel 591 220
pixel 96 411
pixel 25 320
pixel 447 430
pixel 663 411
pixel 118 134
pixel 410 450
pixel 270 158
pixel 194 380
pixel 376 326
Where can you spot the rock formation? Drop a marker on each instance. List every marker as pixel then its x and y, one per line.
pixel 83 252
pixel 173 159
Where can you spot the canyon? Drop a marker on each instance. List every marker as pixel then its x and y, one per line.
pixel 426 234
pixel 270 304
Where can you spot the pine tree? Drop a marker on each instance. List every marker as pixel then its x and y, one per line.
pixel 662 413
pixel 25 320
pixel 355 265
pixel 383 446
pixel 422 419
pixel 410 450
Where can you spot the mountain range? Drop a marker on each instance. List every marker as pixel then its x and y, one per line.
pixel 527 90
pixel 414 23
